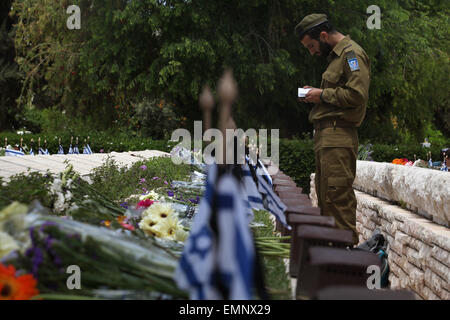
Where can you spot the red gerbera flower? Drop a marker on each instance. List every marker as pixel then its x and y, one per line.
pixel 144 203
pixel 16 288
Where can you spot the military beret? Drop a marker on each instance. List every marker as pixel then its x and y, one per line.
pixel 309 22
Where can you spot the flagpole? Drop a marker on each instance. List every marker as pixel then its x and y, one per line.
pixel 227 91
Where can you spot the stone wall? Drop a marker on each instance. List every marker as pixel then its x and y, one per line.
pixel 421 190
pixel 418 250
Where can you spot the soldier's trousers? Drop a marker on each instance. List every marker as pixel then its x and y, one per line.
pixel 335 173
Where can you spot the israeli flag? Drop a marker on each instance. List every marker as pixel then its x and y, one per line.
pixel 70 150
pixel 31 152
pixel 254 197
pixel 430 163
pixel 262 171
pixel 42 151
pixel 13 153
pixel 61 149
pixel 75 150
pixel 274 204
pixel 87 150
pixel 218 264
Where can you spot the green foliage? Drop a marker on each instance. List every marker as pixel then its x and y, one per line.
pixel 130 51
pixel 25 188
pixel 297 161
pixel 117 183
pixel 274 269
pixel 10 76
pixel 155 119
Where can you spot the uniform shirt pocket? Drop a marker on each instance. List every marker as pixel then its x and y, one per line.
pixel 331 78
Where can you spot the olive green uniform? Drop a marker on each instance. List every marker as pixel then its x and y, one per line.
pixel 345 85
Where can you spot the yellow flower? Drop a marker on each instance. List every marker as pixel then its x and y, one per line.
pixel 13 208
pixel 152 195
pixel 159 211
pixel 7 244
pixel 169 227
pixel 151 226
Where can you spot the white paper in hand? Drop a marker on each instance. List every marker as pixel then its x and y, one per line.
pixel 302 92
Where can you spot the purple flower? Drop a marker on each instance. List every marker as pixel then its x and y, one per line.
pixel 170 193
pixel 142 180
pixel 155 178
pixel 143 167
pixel 36 260
pixel 165 182
pixel 124 205
pixel 196 200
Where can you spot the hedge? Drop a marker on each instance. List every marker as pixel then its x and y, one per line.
pixel 296 156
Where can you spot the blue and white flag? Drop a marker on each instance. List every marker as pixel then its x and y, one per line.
pixel 262 171
pixel 31 152
pixel 218 265
pixel 61 149
pixel 42 151
pixel 75 150
pixel 13 153
pixel 70 150
pixel 274 203
pixel 254 197
pixel 87 149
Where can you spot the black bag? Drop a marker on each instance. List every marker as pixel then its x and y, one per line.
pixel 377 244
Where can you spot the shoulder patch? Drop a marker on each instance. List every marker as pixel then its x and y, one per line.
pixel 352 60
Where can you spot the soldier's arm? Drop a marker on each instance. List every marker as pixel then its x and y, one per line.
pixel 355 91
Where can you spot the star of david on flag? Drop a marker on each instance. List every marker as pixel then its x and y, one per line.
pixel 218 257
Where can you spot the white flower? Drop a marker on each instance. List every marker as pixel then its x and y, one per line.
pixel 7 244
pixel 56 186
pixel 181 235
pixel 60 203
pixel 152 195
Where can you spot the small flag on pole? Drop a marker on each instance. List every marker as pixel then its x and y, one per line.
pixel 13 153
pixel 218 257
pixel 254 197
pixel 274 203
pixel 60 149
pixel 261 170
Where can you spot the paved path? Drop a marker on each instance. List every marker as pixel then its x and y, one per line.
pixel 82 163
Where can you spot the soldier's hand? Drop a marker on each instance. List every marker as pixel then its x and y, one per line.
pixel 303 99
pixel 313 95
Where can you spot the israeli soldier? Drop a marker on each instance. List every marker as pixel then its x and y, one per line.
pixel 339 109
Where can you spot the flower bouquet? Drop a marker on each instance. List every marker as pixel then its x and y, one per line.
pixel 108 260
